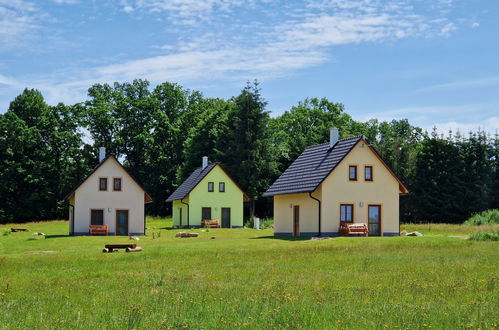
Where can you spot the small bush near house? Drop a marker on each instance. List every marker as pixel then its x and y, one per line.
pixel 266 223
pixel 488 217
pixel 485 235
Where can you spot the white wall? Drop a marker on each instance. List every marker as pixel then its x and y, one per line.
pixel 88 196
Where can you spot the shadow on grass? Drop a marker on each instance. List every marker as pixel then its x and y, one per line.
pixel 56 236
pixel 283 238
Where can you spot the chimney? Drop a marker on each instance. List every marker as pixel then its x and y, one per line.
pixel 334 137
pixel 102 154
pixel 205 162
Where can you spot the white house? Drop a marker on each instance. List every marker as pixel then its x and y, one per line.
pixel 109 200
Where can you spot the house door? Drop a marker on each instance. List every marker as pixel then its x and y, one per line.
pixel 180 215
pixel 122 222
pixel 374 216
pixel 225 217
pixel 296 220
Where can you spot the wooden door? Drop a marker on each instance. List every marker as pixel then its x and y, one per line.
pixel 180 215
pixel 374 216
pixel 225 217
pixel 121 222
pixel 296 220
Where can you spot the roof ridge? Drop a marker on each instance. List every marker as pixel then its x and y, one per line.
pixel 344 139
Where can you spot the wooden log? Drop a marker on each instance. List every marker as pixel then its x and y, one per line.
pixel 137 249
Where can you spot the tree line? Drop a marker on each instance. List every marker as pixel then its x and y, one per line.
pixel 161 133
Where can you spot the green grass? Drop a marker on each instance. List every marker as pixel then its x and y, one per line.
pixel 246 279
pixel 486 235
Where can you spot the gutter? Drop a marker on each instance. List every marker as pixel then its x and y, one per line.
pixel 182 201
pixel 319 223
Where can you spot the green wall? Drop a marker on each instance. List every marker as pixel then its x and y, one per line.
pixel 199 197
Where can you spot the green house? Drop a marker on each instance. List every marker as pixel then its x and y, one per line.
pixel 208 193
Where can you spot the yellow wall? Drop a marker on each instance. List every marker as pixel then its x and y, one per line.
pixel 309 211
pixel 337 189
pixel 88 196
pixel 177 205
pixel 199 197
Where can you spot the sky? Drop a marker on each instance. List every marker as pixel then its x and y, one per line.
pixel 435 62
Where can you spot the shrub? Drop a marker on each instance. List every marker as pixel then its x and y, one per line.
pixel 264 223
pixel 489 217
pixel 485 235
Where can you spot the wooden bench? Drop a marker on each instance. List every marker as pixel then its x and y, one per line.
pixel 98 229
pixel 129 247
pixel 15 230
pixel 354 229
pixel 210 223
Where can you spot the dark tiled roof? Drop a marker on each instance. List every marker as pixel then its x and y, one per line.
pixel 192 181
pixel 308 171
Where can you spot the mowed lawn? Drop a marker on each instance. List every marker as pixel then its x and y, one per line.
pixel 244 278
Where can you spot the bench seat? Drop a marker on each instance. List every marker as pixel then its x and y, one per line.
pixel 354 228
pixel 98 229
pixel 210 223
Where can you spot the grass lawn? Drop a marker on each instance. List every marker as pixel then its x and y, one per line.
pixel 246 278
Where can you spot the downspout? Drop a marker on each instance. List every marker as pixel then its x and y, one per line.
pixel 319 224
pixel 182 201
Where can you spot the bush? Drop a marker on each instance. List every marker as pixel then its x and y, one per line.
pixel 264 223
pixel 485 235
pixel 489 217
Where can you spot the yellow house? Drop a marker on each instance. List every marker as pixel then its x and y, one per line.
pixel 109 197
pixel 208 193
pixel 340 181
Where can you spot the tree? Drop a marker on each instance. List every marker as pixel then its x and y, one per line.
pixel 39 156
pixel 246 152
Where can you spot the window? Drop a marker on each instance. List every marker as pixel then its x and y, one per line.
pixel 368 173
pixel 97 217
pixel 117 184
pixel 206 213
pixel 102 184
pixel 346 212
pixel 352 173
pixel 211 187
pixel 221 186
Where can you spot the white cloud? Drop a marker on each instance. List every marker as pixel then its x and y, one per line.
pixel 65 2
pixel 128 9
pixel 467 83
pixel 475 25
pixel 489 125
pixel 281 41
pixel 17 18
pixel 465 117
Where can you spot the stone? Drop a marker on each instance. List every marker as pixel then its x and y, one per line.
pixel 414 233
pixel 403 233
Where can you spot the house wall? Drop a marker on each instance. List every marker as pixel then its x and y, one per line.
pixel 88 196
pixel 199 197
pixel 177 205
pixel 337 189
pixel 284 216
pixel 383 190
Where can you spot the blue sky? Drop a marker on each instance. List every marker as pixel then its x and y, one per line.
pixel 434 62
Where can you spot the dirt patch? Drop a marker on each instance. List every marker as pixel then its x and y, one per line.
pixel 40 252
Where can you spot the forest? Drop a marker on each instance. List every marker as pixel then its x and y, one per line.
pixel 161 133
